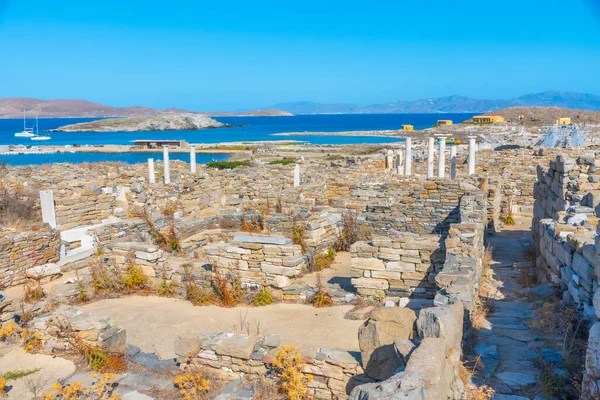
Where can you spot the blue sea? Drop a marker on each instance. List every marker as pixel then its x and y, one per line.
pixel 244 129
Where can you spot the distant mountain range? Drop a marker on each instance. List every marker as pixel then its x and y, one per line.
pixel 13 108
pixel 450 104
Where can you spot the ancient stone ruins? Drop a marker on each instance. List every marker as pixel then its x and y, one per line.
pixel 426 271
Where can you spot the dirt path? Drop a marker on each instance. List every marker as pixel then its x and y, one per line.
pixel 154 322
pixel 513 353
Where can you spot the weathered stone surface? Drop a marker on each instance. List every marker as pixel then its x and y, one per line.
pixel 443 322
pixel 401 386
pixel 429 361
pixel 233 344
pixel 187 346
pixel 376 339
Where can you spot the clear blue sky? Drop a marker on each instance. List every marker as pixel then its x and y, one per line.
pixel 232 54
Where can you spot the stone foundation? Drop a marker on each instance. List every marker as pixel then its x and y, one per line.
pixel 24 250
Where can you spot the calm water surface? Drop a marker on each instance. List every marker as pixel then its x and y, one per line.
pixel 251 129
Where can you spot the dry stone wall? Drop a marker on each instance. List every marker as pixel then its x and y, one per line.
pixel 565 228
pixel 404 265
pixel 465 248
pixel 565 218
pixel 24 250
pixel 334 371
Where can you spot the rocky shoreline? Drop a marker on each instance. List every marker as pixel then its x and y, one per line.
pixel 169 122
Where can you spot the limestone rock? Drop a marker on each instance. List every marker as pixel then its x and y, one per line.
pixel 376 339
pixel 187 347
pixel 402 386
pixel 281 281
pixel 233 344
pixel 167 122
pixel 441 322
pixel 429 361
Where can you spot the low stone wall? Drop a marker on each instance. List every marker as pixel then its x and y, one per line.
pixel 465 247
pixel 569 258
pixel 94 330
pixel 565 228
pixel 423 368
pixel 24 250
pixel 257 260
pixel 410 265
pixel 236 352
pixel 86 207
pixel 404 265
pixel 261 256
pixel 565 217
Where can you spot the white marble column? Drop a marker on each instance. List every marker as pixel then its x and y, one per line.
pixel 151 173
pixel 408 157
pixel 297 176
pixel 453 161
pixel 389 160
pixel 430 144
pixel 399 163
pixel 442 157
pixel 167 171
pixel 472 144
pixel 192 159
pixel 47 203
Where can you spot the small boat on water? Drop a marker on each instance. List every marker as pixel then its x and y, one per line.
pixel 26 132
pixel 37 132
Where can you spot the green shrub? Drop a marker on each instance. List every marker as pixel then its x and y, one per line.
pixel 323 261
pixel 263 298
pixel 284 161
pixel 227 164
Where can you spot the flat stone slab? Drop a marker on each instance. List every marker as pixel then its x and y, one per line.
pixel 512 305
pixel 145 382
pixel 503 321
pixel 236 390
pixel 135 395
pixel 489 357
pixel 516 334
pixel 552 356
pixel 518 366
pixel 513 352
pixel 516 380
pixel 511 313
pixel 152 363
pixel 263 239
pixel 501 340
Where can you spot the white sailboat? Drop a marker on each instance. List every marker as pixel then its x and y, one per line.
pixel 37 132
pixel 26 132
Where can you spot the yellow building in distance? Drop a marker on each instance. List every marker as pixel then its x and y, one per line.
pixel 563 121
pixel 444 122
pixel 488 119
pixel 408 128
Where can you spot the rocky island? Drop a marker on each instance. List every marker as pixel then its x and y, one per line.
pixel 166 122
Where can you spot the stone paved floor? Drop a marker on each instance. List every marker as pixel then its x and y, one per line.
pixel 510 350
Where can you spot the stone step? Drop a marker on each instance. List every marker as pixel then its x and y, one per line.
pixel 502 320
pixel 522 314
pixel 512 305
pixel 515 352
pixel 517 380
pixel 526 366
pixel 517 334
pixel 488 354
pixel 508 397
pixel 501 340
pixel 518 327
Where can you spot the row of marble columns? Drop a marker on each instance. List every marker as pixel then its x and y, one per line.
pixel 396 162
pixel 166 166
pixel 167 170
